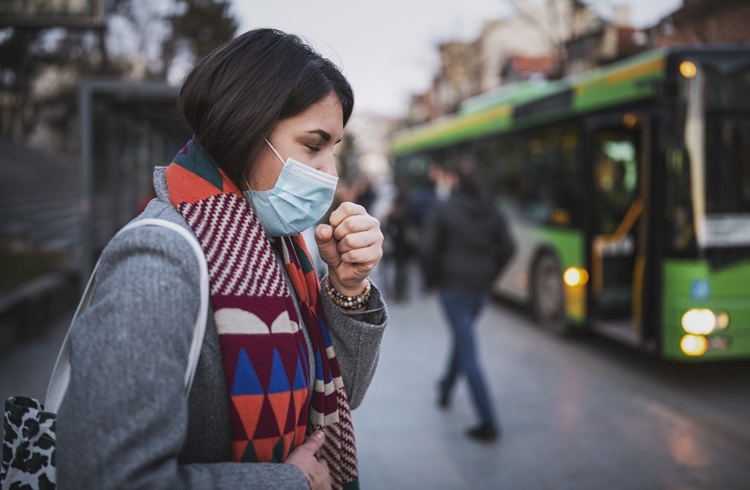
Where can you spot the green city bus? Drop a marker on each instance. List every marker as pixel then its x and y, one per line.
pixel 628 192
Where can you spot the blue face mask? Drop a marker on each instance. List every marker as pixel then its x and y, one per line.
pixel 298 200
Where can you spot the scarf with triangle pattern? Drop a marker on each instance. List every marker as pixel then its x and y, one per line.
pixel 264 351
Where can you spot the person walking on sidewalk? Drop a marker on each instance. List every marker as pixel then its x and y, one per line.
pixel 284 360
pixel 465 245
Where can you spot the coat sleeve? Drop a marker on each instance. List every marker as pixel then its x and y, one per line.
pixel 124 419
pixel 356 340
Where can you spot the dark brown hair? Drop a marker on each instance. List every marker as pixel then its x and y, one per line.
pixel 234 96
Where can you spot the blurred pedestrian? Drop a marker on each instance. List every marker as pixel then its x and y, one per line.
pixel 421 198
pixel 363 192
pixel 400 236
pixel 282 363
pixel 465 245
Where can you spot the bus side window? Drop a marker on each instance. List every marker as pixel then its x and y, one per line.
pixel 560 177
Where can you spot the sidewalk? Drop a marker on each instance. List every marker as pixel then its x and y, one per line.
pixel 26 369
pixel 404 441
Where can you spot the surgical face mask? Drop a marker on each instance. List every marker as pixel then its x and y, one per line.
pixel 298 200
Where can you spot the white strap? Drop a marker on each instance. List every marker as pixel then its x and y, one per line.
pixel 60 379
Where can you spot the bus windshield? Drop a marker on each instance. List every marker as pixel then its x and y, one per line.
pixel 727 156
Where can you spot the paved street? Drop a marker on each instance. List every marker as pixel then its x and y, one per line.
pixel 577 414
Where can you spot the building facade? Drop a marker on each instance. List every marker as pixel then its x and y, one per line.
pixel 533 42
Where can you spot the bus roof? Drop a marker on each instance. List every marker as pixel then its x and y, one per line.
pixel 522 104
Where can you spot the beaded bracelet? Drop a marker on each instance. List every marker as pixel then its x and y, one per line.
pixel 348 302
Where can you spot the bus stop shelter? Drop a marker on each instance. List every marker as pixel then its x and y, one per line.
pixel 126 128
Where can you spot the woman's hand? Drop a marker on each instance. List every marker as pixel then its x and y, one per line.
pixel 303 457
pixel 352 245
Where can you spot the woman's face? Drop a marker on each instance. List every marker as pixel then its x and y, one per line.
pixel 309 137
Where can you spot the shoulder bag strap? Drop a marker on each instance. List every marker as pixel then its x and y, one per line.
pixel 61 374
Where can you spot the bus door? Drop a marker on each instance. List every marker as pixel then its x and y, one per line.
pixel 616 254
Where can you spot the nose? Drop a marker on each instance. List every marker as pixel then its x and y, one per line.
pixel 329 166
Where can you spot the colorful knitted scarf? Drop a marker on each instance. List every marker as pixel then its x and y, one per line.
pixel 264 351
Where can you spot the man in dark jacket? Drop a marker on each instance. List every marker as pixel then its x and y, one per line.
pixel 465 245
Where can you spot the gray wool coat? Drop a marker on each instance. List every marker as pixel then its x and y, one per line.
pixel 125 421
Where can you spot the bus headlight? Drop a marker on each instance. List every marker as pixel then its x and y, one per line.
pixel 694 345
pixel 574 276
pixel 701 321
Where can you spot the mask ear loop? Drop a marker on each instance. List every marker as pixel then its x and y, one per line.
pixel 247 183
pixel 274 150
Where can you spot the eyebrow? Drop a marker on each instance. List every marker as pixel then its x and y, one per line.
pixel 322 134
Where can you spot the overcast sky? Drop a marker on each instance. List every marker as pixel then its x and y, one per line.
pixel 387 48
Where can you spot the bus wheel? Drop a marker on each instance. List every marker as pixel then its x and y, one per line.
pixel 548 300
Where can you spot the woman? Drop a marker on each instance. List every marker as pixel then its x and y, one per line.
pixel 281 365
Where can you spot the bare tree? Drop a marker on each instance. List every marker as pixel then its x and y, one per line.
pixel 559 23
pixel 135 33
pixel 197 28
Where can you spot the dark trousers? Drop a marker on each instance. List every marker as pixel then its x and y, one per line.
pixel 462 309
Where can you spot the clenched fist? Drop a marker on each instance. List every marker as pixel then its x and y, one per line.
pixel 352 245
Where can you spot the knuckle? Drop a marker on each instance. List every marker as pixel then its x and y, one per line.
pixel 348 242
pixel 353 256
pixel 341 232
pixel 354 208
